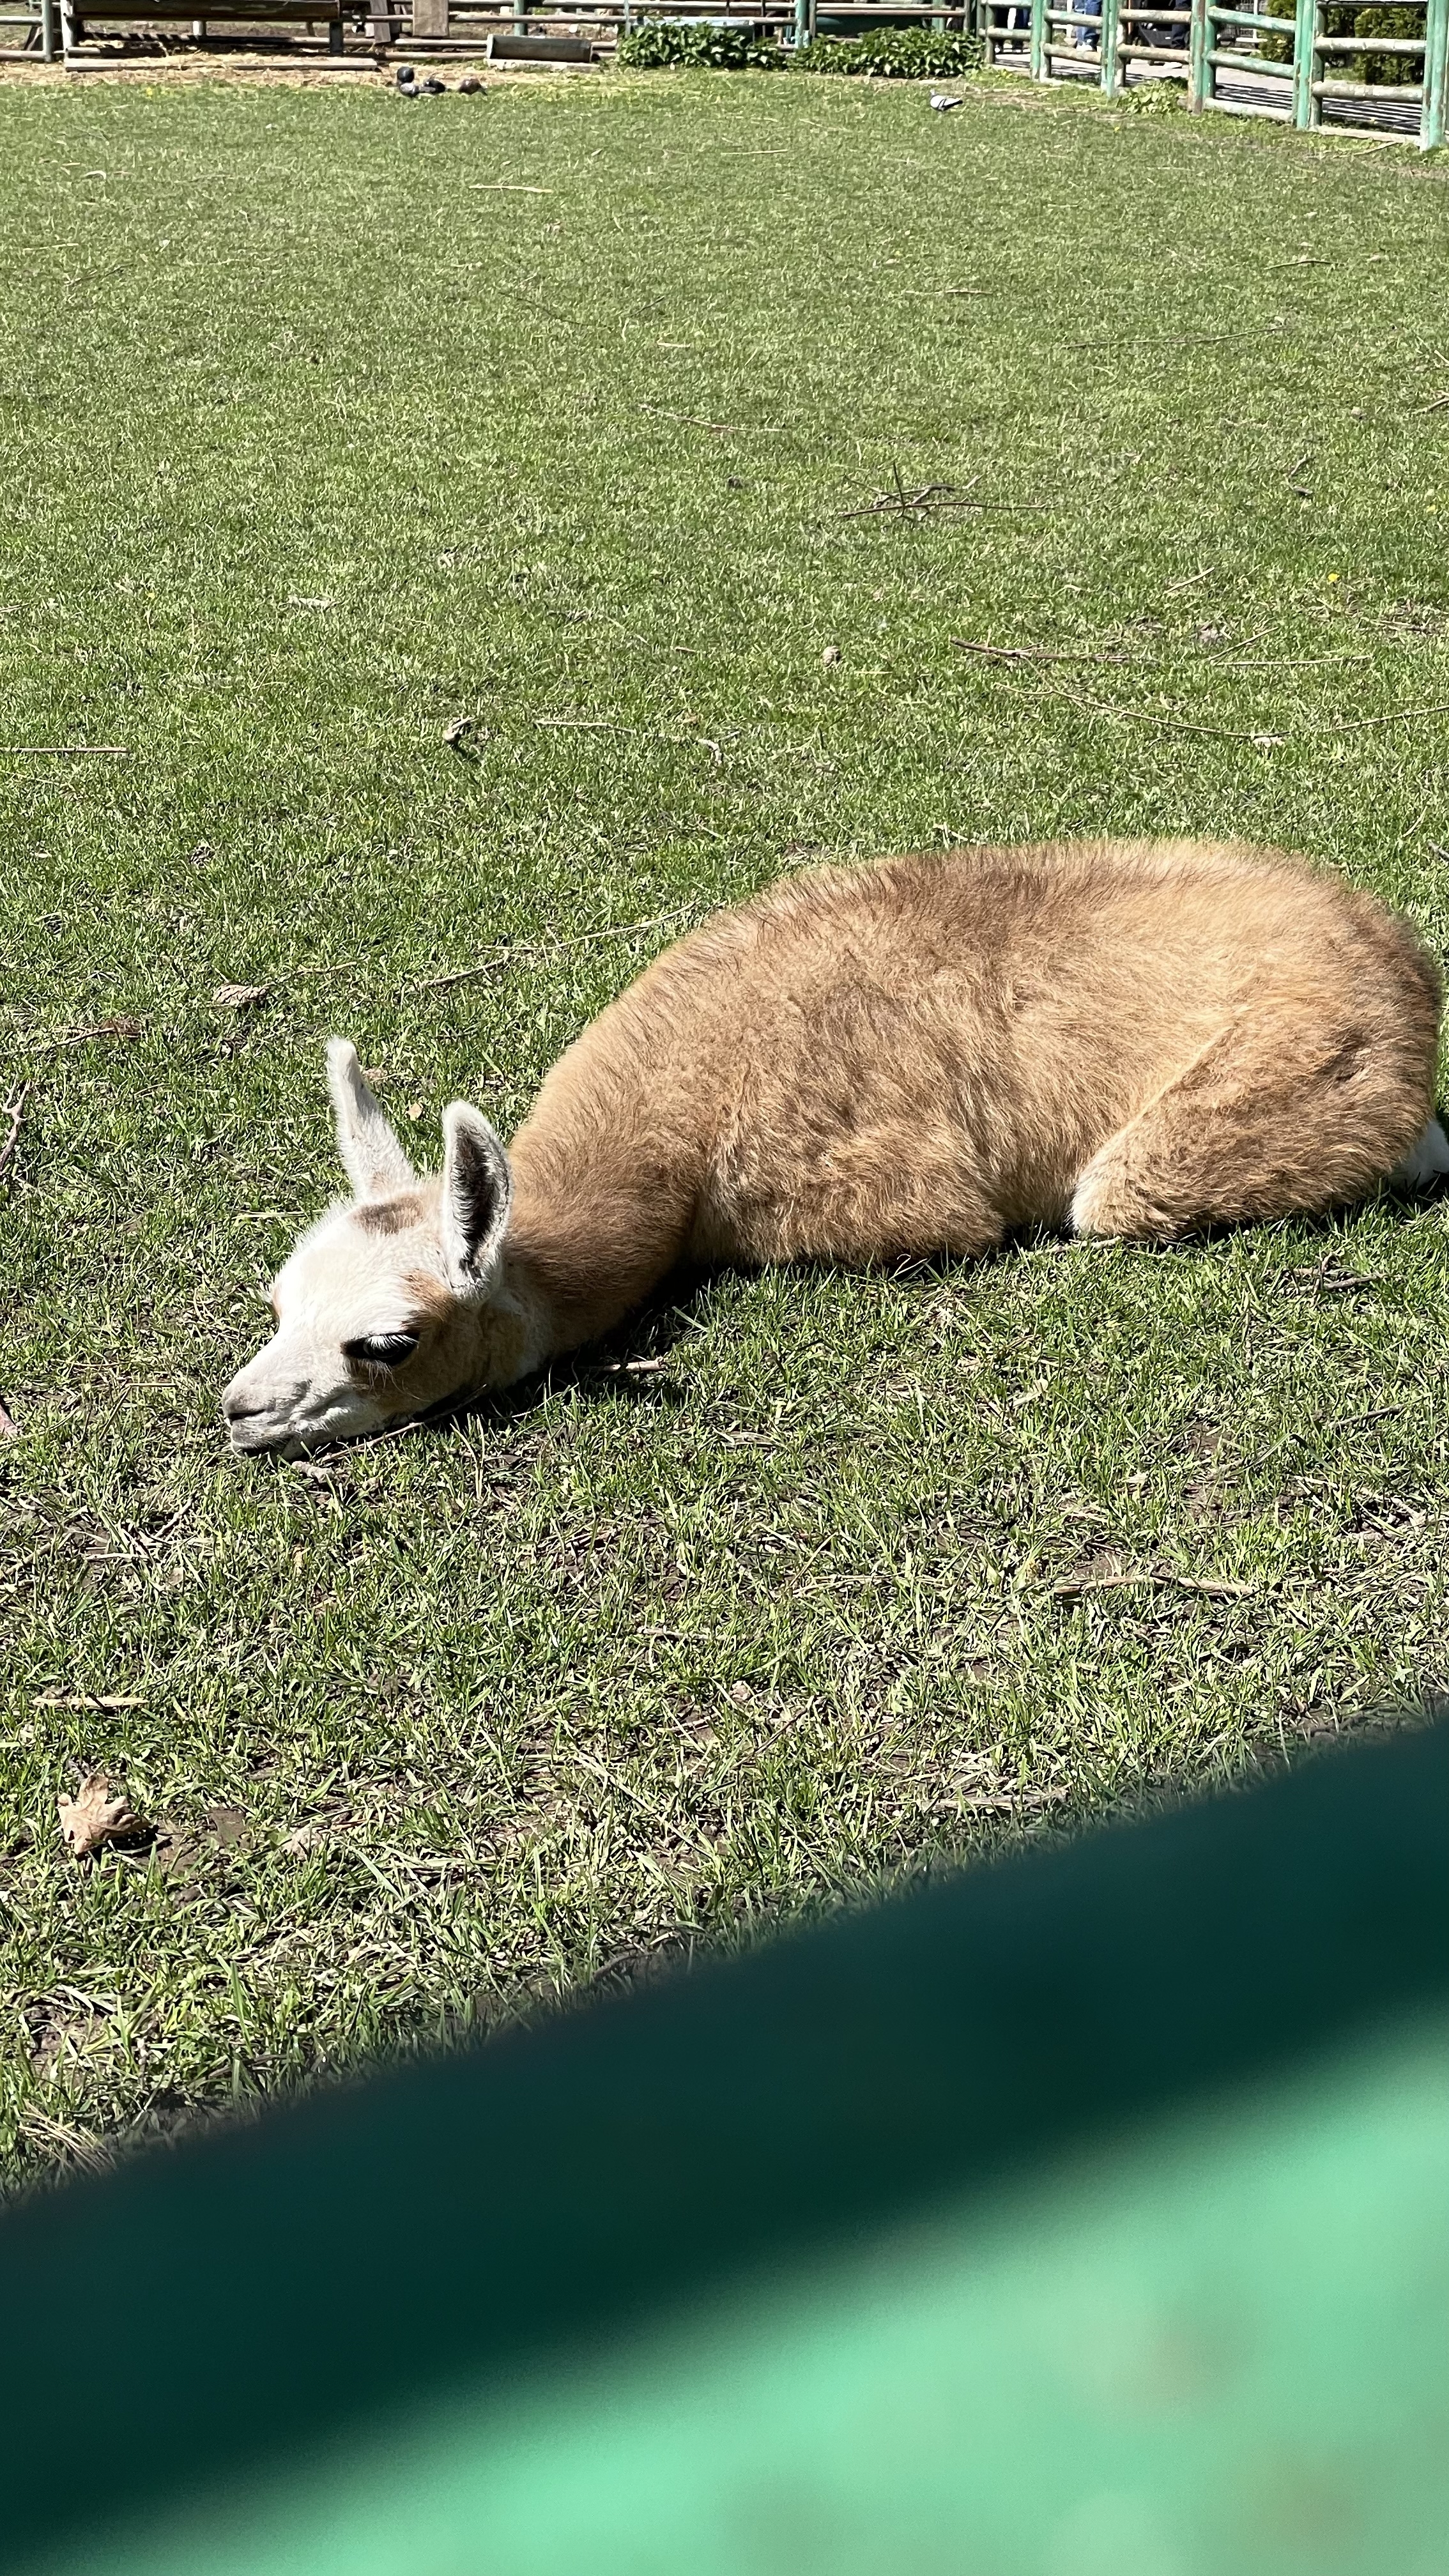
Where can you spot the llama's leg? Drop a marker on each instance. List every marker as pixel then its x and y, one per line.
pixel 1280 1114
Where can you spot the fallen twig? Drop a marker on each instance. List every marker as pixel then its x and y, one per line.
pixel 243 997
pixel 12 1108
pixel 1439 403
pixel 45 1045
pixel 1180 724
pixel 1073 1585
pixel 1270 662
pixel 721 428
pixel 1036 652
pixel 84 1699
pixel 1340 1422
pixel 1161 340
pixel 1401 715
pixel 929 496
pixel 507 955
pixel 64 751
pixel 1011 1802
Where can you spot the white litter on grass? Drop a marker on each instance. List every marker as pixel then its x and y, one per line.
pixel 940 101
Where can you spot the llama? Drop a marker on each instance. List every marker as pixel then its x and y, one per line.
pixel 1130 1038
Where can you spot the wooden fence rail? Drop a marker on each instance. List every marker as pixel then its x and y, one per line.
pixel 1219 53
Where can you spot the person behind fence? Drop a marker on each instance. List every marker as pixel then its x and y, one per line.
pixel 1088 40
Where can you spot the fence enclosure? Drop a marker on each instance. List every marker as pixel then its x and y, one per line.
pixel 1306 70
pixel 1331 64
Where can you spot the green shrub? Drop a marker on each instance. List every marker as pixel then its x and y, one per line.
pixel 893 53
pixel 1162 97
pixel 887 53
pixel 1389 70
pixel 662 44
pixel 1392 70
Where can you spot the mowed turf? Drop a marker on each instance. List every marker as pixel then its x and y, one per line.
pixel 585 411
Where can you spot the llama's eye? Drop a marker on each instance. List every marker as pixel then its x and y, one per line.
pixel 382 1350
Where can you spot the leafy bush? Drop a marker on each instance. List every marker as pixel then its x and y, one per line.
pixel 1159 97
pixel 1387 70
pixel 887 53
pixel 1393 70
pixel 662 44
pixel 893 53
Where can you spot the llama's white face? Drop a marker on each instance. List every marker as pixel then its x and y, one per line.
pixel 394 1304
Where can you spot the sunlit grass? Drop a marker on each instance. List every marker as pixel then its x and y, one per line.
pixel 328 421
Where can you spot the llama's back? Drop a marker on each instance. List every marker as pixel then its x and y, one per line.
pixel 924 1051
pixel 1188 918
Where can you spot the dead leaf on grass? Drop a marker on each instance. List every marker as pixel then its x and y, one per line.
pixel 100 1812
pixel 9 1427
pixel 239 997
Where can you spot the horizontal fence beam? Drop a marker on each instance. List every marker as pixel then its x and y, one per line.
pixel 1368 44
pixel 1410 92
pixel 1223 60
pixel 1243 107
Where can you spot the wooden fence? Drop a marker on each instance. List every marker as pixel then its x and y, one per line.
pixel 1243 61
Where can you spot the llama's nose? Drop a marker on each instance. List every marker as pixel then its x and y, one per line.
pixel 237 1405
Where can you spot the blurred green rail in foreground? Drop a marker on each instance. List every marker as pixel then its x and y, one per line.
pixel 1086 2216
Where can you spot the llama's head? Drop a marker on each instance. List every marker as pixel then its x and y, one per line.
pixel 393 1304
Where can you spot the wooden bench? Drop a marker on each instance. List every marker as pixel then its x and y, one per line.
pixel 79 15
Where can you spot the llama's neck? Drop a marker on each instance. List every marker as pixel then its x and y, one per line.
pixel 602 1210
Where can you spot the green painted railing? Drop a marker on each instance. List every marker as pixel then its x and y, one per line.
pixel 1087 2215
pixel 1205 41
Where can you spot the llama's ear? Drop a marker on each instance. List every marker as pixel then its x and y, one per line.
pixel 372 1156
pixel 477 1194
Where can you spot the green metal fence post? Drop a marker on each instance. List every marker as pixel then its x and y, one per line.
pixel 1306 108
pixel 1432 115
pixel 1040 59
pixel 1109 35
pixel 1199 69
pixel 47 31
pixel 802 22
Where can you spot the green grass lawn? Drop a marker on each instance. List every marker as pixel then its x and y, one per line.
pixel 329 420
